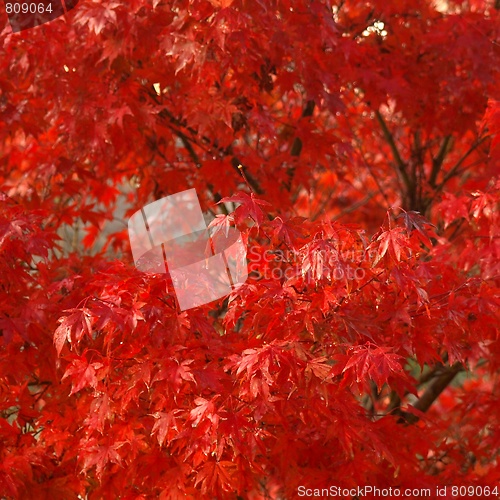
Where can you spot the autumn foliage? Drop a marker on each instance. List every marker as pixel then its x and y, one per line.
pixel 355 144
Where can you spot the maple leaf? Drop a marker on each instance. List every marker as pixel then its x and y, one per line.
pixel 214 475
pixel 413 220
pixel 321 260
pixel 100 410
pixel 165 426
pixel 221 222
pixel 96 16
pixel 288 231
pixel 118 113
pixel 491 123
pixel 100 455
pixel 77 323
pixel 378 364
pixel 176 373
pixel 453 207
pixel 249 207
pixel 319 368
pixel 392 240
pixel 204 409
pixel 83 373
pixel 111 51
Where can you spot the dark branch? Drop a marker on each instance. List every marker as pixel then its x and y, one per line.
pixel 395 152
pixel 437 162
pixel 441 380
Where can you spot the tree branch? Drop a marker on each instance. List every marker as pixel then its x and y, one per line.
pixel 176 123
pixel 437 161
pixel 296 148
pixel 454 171
pixel 459 163
pixel 438 385
pixel 395 152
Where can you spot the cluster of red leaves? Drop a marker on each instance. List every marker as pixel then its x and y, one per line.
pixel 364 347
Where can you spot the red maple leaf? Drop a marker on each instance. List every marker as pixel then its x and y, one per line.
pixel 249 207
